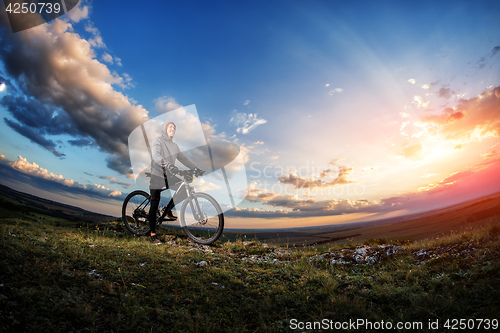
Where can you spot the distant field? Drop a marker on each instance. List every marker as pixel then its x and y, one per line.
pixel 415 227
pixel 13 203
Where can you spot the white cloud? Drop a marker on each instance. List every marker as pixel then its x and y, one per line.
pixel 78 13
pixel 165 104
pixel 335 91
pixel 246 123
pixel 204 186
pixel 412 81
pixel 106 57
pixel 420 102
pixel 34 170
pixel 115 193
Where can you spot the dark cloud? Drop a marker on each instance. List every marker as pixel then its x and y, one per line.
pixel 300 182
pixel 120 163
pixel 59 87
pixel 297 206
pixel 337 175
pixel 82 142
pixel 482 62
pixel 114 180
pixel 446 92
pixel 34 136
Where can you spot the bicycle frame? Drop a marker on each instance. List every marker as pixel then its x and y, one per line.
pixel 188 192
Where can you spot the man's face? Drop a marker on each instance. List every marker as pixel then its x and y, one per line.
pixel 170 130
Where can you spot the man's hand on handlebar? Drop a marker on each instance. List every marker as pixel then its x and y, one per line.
pixel 172 169
pixel 198 172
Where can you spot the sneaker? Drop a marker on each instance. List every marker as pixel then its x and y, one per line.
pixel 170 216
pixel 155 240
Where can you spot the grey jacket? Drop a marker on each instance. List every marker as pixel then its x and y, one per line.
pixel 163 148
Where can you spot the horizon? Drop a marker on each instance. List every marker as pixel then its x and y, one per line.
pixel 343 111
pixel 339 226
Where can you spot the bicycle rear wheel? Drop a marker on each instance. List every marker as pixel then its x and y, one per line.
pixel 135 212
pixel 201 218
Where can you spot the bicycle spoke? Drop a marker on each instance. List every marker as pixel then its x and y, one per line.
pixel 202 218
pixel 135 212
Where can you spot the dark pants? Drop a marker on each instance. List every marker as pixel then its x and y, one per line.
pixel 156 196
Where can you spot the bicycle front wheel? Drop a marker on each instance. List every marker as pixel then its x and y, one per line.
pixel 201 218
pixel 135 212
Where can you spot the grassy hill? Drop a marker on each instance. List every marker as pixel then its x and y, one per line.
pixel 61 275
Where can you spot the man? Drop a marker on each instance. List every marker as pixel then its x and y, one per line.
pixel 164 154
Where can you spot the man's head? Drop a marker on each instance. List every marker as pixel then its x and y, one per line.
pixel 170 130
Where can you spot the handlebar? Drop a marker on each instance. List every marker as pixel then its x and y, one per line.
pixel 188 175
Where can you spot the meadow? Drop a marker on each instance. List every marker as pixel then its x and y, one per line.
pixel 61 275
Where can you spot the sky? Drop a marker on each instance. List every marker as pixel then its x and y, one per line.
pixel 343 110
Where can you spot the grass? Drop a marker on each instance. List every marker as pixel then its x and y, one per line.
pixel 58 275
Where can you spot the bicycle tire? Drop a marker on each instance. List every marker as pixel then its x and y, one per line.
pixel 135 212
pixel 208 230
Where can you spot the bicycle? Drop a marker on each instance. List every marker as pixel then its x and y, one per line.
pixel 200 215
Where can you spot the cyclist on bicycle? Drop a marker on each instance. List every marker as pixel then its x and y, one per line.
pixel 164 154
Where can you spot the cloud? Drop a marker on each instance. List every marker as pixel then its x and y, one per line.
pixel 482 62
pixel 305 206
pixel 34 136
pixel 489 154
pixel 59 87
pixel 246 123
pixel 203 186
pixel 336 175
pixel 114 180
pixel 412 151
pixel 165 104
pixel 106 57
pixel 78 13
pixel 335 91
pixel 31 173
pixel 421 102
pixel 81 142
pixel 495 50
pixel 412 81
pixel 33 169
pixel 445 92
pixel 300 182
pixel 115 193
pixel 471 120
pixel 477 181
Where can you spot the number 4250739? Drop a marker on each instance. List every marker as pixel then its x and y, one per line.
pixel 471 324
pixel 33 8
